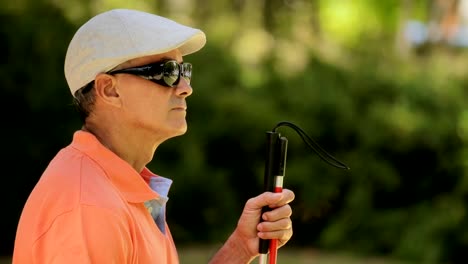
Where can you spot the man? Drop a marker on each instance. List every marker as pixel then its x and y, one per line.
pixel 97 202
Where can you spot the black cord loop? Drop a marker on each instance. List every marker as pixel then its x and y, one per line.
pixel 324 155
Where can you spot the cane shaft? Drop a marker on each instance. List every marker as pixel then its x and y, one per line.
pixel 275 166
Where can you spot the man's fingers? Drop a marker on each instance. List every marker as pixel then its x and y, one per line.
pixel 280 225
pixel 278 213
pixel 283 234
pixel 270 199
pixel 287 197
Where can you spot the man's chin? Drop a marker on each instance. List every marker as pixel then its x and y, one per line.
pixel 181 131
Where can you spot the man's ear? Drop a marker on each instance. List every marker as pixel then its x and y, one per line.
pixel 106 90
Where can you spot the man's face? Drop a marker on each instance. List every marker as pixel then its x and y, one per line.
pixel 149 106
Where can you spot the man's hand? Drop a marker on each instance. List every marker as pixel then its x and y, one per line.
pixel 242 245
pixel 276 223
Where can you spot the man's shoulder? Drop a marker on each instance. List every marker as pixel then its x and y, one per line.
pixel 73 179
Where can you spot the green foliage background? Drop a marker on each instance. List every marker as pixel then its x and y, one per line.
pixel 397 116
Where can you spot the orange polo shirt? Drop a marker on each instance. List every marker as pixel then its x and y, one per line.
pixel 89 207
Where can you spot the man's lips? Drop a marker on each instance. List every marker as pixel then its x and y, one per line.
pixel 184 108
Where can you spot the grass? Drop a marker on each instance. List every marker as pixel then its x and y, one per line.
pixel 201 255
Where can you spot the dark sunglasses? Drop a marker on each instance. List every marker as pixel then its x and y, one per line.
pixel 166 73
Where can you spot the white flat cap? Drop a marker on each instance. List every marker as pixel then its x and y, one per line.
pixel 113 37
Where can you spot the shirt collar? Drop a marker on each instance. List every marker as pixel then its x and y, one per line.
pixel 128 181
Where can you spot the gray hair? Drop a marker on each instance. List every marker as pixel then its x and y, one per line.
pixel 84 99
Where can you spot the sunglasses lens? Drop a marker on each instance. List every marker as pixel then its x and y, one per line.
pixel 186 72
pixel 171 73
